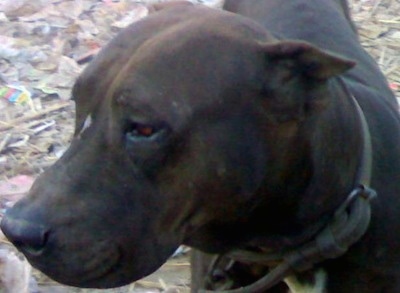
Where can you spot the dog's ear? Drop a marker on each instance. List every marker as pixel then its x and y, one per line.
pixel 306 59
pixel 165 5
pixel 295 78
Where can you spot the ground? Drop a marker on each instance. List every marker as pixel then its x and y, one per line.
pixel 47 43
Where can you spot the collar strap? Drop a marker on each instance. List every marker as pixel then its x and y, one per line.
pixel 348 224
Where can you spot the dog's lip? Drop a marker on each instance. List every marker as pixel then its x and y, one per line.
pixel 104 269
pixel 94 272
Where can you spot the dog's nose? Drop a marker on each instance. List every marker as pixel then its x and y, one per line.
pixel 28 237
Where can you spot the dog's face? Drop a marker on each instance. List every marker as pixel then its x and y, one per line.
pixel 186 123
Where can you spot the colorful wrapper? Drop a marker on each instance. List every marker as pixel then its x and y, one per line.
pixel 15 94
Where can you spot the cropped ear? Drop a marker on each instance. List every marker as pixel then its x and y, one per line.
pixel 307 59
pixel 295 79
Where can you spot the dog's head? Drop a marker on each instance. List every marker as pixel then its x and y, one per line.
pixel 186 123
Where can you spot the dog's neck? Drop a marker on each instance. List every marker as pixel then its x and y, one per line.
pixel 336 159
pixel 335 162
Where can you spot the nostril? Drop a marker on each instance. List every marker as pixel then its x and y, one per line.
pixel 28 237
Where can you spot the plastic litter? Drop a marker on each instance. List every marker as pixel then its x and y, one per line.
pixel 18 95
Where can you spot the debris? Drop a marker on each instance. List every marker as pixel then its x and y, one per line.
pixel 182 250
pixel 87 57
pixel 14 188
pixel 16 122
pixel 135 14
pixel 15 271
pixel 15 94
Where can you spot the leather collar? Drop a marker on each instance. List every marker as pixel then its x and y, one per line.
pixel 348 224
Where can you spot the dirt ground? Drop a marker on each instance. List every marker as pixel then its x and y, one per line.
pixel 44 47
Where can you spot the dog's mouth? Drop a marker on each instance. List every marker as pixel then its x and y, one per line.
pixel 102 269
pixel 99 267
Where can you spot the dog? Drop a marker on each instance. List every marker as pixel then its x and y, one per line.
pixel 263 134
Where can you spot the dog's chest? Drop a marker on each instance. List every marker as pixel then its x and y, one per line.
pixel 316 284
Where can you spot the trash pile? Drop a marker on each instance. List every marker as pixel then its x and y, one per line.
pixel 378 25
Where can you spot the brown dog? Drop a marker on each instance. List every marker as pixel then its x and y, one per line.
pixel 240 136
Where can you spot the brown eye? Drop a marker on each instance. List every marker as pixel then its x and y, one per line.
pixel 142 132
pixel 145 130
pixel 138 130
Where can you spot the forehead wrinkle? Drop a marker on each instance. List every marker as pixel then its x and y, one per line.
pixel 142 90
pixel 157 49
pixel 151 102
pixel 144 52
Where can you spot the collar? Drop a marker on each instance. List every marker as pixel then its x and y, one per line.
pixel 348 224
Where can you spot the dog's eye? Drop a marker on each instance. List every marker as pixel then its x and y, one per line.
pixel 144 130
pixel 137 131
